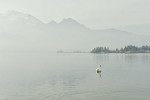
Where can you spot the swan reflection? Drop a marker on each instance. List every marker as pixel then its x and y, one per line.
pixel 99 73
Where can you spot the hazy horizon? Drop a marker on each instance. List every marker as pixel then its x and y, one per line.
pixel 95 14
pixel 74 49
pixel 24 32
pixel 142 29
pixel 82 24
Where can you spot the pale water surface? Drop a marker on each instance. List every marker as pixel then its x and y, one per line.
pixel 70 76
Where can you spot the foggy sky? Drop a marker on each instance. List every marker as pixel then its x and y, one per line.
pixel 96 14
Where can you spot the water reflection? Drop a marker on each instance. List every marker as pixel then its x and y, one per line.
pixel 103 58
pixel 146 58
pixel 134 58
pixel 121 58
pixel 131 58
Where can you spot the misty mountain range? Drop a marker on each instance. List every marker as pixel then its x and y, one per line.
pixel 24 32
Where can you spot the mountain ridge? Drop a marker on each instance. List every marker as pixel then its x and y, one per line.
pixel 26 32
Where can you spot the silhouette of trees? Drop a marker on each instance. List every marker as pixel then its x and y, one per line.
pixel 100 50
pixel 126 49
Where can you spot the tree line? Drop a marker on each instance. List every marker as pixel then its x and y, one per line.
pixel 126 49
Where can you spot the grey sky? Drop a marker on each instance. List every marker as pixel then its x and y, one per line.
pixel 96 14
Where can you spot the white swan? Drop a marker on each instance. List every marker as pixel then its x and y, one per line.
pixel 98 70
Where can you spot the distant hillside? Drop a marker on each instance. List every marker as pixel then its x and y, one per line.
pixel 139 29
pixel 24 32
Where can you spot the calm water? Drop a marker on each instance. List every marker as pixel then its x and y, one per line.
pixel 69 76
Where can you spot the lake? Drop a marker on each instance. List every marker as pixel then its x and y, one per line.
pixel 72 76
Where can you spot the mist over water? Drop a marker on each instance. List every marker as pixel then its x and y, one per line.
pixel 65 76
pixel 32 31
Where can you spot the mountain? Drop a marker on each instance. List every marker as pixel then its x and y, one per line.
pixel 138 29
pixel 69 22
pixel 14 17
pixel 53 23
pixel 115 38
pixel 24 32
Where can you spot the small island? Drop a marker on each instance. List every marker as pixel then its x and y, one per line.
pixel 126 49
